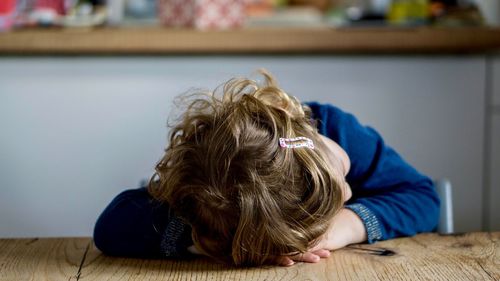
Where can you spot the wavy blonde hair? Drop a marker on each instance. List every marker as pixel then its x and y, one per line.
pixel 248 200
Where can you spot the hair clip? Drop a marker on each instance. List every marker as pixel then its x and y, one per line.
pixel 296 142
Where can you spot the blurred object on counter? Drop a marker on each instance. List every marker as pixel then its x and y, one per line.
pixel 351 10
pixel 44 17
pixel 225 14
pixel 85 14
pixel 409 12
pixel 380 7
pixel 292 16
pixel 283 13
pixel 454 14
pixel 437 9
pixel 259 8
pixel 59 7
pixel 357 13
pixel 202 14
pixel 322 5
pixel 7 14
pixel 41 12
pixel 140 8
pixel 71 13
pixel 490 10
pixel 140 12
pixel 132 12
pixel 403 13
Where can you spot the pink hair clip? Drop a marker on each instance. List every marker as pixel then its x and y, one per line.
pixel 296 142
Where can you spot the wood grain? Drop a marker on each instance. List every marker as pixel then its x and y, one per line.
pixel 473 256
pixel 424 257
pixel 41 259
pixel 158 40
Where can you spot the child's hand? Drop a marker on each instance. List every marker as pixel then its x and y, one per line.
pixel 346 228
pixel 311 256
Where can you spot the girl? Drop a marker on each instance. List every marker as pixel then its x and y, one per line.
pixel 253 177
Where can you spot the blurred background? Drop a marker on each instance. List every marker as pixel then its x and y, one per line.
pixel 220 14
pixel 223 14
pixel 87 87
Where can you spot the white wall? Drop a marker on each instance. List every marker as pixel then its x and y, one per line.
pixel 76 131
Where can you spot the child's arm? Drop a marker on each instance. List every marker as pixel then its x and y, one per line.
pixel 346 228
pixel 391 197
pixel 136 225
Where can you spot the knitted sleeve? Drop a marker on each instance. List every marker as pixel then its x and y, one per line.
pixel 136 225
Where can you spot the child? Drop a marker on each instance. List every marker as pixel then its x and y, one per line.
pixel 254 177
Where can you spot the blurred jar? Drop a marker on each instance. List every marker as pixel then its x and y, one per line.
pixel 409 12
pixel 140 8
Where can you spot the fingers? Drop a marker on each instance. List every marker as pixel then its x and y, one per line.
pixel 322 253
pixel 306 257
pixel 286 261
pixel 310 257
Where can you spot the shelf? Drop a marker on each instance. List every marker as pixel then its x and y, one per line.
pixel 157 40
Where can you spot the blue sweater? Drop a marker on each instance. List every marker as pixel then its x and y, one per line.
pixel 390 196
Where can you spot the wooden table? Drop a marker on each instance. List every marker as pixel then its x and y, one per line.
pixel 473 256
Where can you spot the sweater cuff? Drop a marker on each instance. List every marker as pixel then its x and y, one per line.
pixel 372 225
pixel 176 239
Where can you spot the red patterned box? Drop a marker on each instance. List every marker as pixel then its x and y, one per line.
pixel 202 14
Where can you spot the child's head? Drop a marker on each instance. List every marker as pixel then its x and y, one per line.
pixel 247 199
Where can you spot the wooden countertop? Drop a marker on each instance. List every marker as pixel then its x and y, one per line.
pixel 473 256
pixel 157 40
